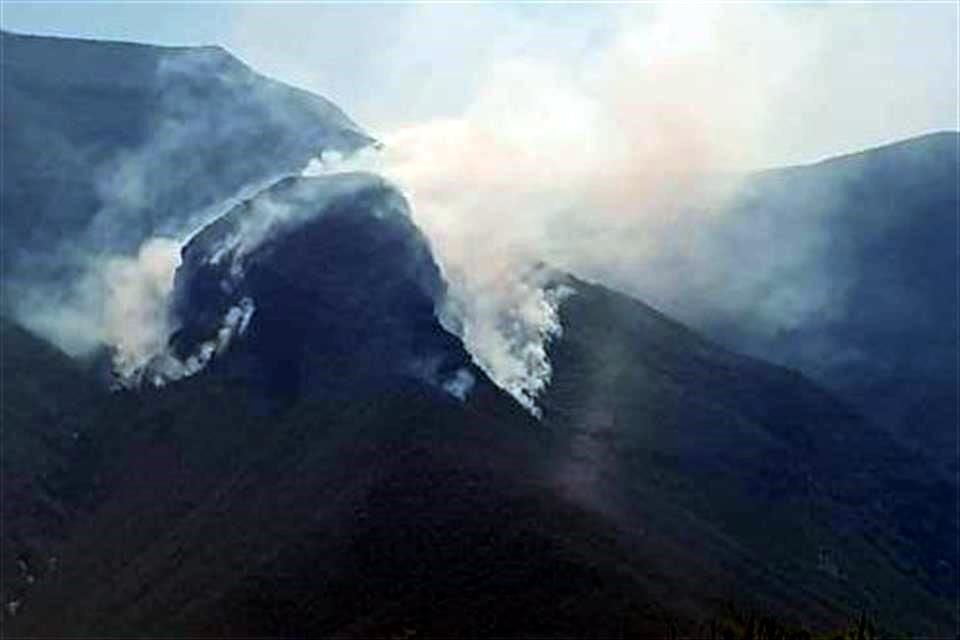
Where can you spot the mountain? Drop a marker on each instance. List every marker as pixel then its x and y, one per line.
pixel 335 464
pixel 101 150
pixel 846 270
pixel 355 507
pixel 374 500
pixel 374 263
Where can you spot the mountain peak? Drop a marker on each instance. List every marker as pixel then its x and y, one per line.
pixel 329 280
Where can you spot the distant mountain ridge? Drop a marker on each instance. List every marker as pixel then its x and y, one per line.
pixel 108 144
pixel 846 269
pixel 89 105
pixel 894 228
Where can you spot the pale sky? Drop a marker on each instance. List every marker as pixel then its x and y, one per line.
pixel 824 79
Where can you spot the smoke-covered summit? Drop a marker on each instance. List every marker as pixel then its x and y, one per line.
pixel 145 145
pixel 327 279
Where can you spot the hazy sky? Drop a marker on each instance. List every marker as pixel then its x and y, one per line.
pixel 826 78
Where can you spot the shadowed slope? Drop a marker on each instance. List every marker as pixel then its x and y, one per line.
pixel 784 493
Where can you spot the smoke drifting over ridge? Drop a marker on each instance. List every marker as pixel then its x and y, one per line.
pixel 128 184
pixel 578 168
pixel 620 167
pixel 615 165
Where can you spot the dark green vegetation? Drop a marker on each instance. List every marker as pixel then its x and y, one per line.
pixel 668 477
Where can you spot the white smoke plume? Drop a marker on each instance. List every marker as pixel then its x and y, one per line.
pixel 573 167
pixel 136 304
pixel 500 302
pixel 617 165
pixel 460 385
pixel 163 366
pixel 120 301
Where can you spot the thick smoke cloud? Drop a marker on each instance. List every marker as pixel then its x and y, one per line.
pixel 620 167
pixel 136 320
pixel 580 168
pixel 825 73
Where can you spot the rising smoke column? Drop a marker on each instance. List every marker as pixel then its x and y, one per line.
pixel 506 312
pixel 573 168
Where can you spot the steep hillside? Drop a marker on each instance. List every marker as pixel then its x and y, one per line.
pixel 785 492
pixel 845 269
